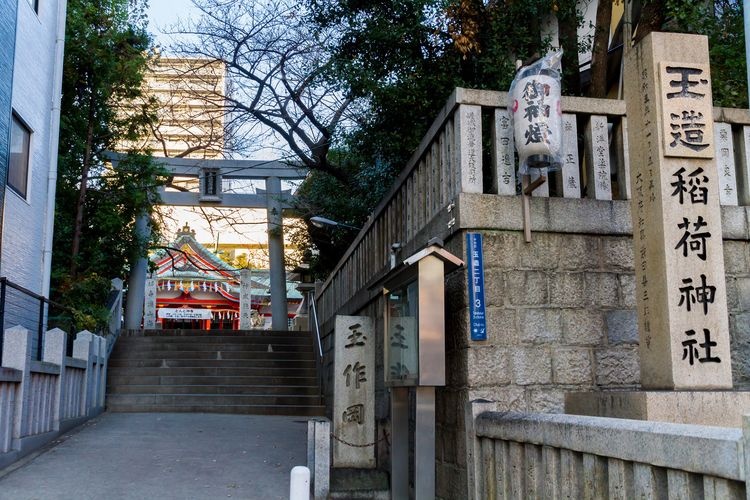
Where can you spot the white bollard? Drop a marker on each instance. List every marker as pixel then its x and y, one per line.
pixel 299 483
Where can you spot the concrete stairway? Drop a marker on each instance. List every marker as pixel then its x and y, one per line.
pixel 218 371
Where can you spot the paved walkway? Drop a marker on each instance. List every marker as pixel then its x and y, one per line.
pixel 165 456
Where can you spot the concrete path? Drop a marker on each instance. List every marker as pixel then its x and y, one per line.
pixel 165 456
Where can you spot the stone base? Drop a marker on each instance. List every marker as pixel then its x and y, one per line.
pixel 353 484
pixel 717 408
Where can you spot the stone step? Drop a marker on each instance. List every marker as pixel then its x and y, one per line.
pixel 354 484
pixel 212 400
pixel 218 339
pixel 178 346
pixel 307 390
pixel 290 410
pixel 228 333
pixel 208 363
pixel 116 380
pixel 218 371
pixel 213 353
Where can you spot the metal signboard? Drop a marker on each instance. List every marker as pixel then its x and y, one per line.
pixel 475 260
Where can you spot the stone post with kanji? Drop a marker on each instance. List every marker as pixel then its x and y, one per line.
pixel 246 297
pixel 149 305
pixel 680 284
pixel 354 393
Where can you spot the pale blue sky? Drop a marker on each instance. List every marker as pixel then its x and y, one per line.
pixel 162 14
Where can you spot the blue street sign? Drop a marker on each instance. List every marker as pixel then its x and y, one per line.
pixel 477 319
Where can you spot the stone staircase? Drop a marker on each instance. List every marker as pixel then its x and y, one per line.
pixel 217 371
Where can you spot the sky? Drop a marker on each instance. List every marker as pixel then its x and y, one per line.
pixel 163 14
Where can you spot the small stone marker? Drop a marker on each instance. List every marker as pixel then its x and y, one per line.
pixel 725 164
pixel 680 283
pixel 569 176
pixel 743 183
pixel 468 148
pixel 149 305
pixel 504 153
pixel 245 300
pixel 354 392
pixel 598 180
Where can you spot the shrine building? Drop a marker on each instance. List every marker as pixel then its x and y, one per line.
pixel 195 289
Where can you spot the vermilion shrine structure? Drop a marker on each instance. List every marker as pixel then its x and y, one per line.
pixel 210 192
pixel 196 289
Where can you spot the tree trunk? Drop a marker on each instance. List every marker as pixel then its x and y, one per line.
pixel 600 50
pixel 78 226
pixel 567 22
pixel 651 19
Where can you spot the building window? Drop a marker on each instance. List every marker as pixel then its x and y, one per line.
pixel 18 173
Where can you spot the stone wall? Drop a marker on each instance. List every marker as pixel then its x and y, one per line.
pixel 561 318
pixel 561 313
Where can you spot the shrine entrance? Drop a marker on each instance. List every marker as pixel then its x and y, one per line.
pixel 210 184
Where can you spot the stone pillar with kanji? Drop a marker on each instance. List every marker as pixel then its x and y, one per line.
pixel 149 305
pixel 677 235
pixel 354 393
pixel 245 299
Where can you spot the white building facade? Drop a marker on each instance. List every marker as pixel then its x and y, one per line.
pixel 29 198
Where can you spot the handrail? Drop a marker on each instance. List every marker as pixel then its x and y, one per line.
pixel 319 359
pixel 317 327
pixel 114 304
pixel 5 283
pixel 114 321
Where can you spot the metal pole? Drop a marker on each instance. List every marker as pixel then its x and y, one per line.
pixel 137 281
pixel 746 15
pixel 424 439
pixel 3 286
pixel 40 330
pixel 279 312
pixel 400 440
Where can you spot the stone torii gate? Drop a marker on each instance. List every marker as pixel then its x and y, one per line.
pixel 210 174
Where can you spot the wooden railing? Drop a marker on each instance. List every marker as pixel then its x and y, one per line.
pixel 469 149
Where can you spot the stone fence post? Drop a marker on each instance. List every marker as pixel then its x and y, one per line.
pixel 319 456
pixel 54 352
pixel 17 354
pixel 474 466
pixel 82 349
pixel 102 372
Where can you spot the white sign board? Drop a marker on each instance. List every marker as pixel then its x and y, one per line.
pixel 182 313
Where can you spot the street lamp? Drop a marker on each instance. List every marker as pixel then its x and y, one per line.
pixel 322 222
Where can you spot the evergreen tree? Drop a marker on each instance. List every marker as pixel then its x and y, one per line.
pixel 106 53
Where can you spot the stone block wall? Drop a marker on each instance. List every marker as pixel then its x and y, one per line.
pixel 561 318
pixel 560 313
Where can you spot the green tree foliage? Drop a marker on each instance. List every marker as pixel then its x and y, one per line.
pixel 722 22
pixel 400 60
pixel 105 58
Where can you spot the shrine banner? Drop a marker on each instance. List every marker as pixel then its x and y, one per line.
pixel 182 313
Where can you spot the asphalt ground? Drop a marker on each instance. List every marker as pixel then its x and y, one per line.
pixel 164 456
